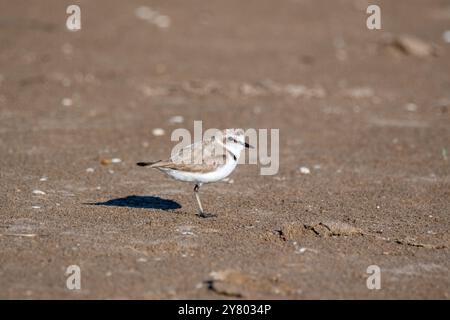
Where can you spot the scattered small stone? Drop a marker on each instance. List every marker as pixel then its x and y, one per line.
pixel 144 13
pixel 162 21
pixel 228 180
pixel 145 144
pixel 199 285
pixel 158 132
pixel 414 46
pixel 300 250
pixel 111 171
pixel 176 119
pixel 35 207
pixel 43 179
pixel 185 230
pixel 90 170
pixel 411 107
pixel 152 16
pixel 105 162
pixel 446 36
pixel 67 102
pixel 142 260
pixel 305 170
pixel 38 192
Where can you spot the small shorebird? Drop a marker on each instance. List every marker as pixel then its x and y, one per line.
pixel 206 161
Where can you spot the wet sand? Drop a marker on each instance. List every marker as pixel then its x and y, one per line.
pixel 368 117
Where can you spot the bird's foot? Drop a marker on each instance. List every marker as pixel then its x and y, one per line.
pixel 206 215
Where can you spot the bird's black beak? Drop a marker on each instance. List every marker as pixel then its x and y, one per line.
pixel 248 146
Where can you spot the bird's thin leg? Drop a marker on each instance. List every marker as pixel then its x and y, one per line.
pixel 196 189
pixel 197 196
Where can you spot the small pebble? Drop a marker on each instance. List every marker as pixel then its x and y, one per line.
pixel 411 107
pixel 145 13
pixel 35 207
pixel 90 170
pixel 43 179
pixel 116 160
pixel 158 132
pixel 301 250
pixel 105 162
pixel 446 36
pixel 38 192
pixel 162 21
pixel 176 119
pixel 414 46
pixel 305 170
pixel 67 102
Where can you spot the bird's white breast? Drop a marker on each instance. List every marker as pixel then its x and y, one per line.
pixel 204 177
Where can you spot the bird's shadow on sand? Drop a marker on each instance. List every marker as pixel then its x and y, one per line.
pixel 143 202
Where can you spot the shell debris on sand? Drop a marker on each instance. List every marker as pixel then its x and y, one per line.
pixel 305 170
pixel 411 107
pixel 67 102
pixel 106 162
pixel 157 132
pixel 446 36
pixel 152 16
pixel 412 45
pixel 39 192
pixel 176 120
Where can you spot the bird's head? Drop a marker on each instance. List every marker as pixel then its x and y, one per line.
pixel 234 140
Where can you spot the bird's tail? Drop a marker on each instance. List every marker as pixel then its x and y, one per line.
pixel 145 164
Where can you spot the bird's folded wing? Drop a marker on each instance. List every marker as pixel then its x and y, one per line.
pixel 198 157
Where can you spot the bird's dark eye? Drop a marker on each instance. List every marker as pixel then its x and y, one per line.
pixel 230 139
